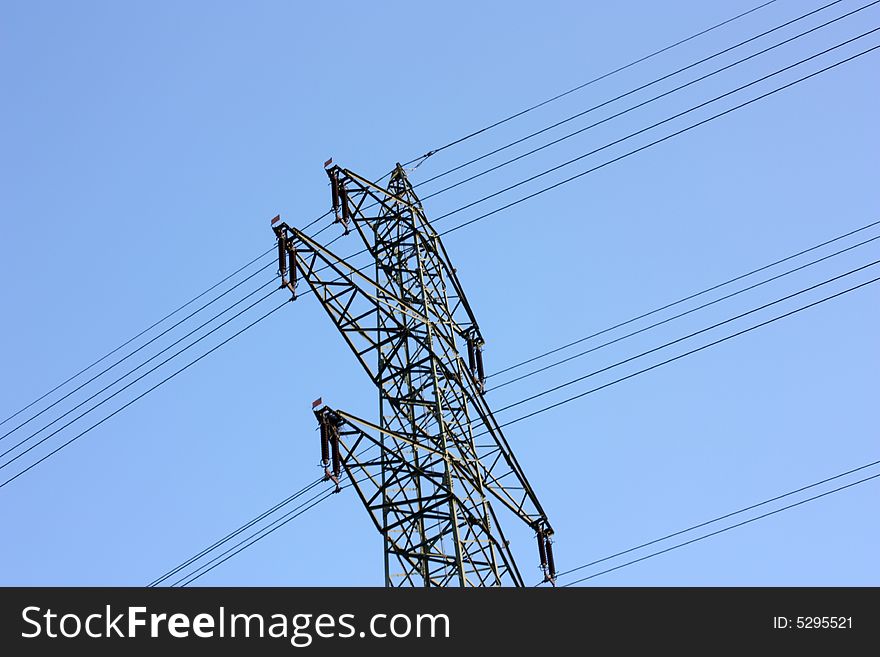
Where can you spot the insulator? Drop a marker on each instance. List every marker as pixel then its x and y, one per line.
pixel 282 257
pixel 551 566
pixel 325 442
pixel 334 442
pixel 344 198
pixel 471 358
pixel 334 186
pixel 542 551
pixel 481 374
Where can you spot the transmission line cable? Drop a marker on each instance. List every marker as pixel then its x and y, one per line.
pixel 682 300
pixel 132 371
pixel 143 394
pixel 592 81
pixel 682 314
pixel 667 120
pixel 727 529
pixel 751 507
pixel 811 75
pixel 629 109
pixel 243 545
pixel 143 346
pixel 235 533
pixel 556 141
pixel 690 335
pixel 249 524
pixel 659 140
pixel 328 212
pixel 634 151
pixel 680 356
pixel 135 337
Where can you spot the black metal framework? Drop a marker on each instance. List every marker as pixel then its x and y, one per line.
pixel 432 470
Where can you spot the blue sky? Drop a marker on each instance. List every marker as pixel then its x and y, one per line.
pixel 146 146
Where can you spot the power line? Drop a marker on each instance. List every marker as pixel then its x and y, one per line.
pixel 659 123
pixel 132 339
pixel 131 383
pixel 683 355
pixel 306 227
pixel 689 336
pixel 633 91
pixel 703 347
pixel 683 299
pixel 719 518
pixel 727 529
pixel 436 150
pixel 664 138
pixel 665 120
pixel 246 526
pixel 146 330
pixel 683 314
pixel 471 221
pixel 636 150
pixel 141 395
pixel 130 354
pixel 633 108
pixel 235 533
pixel 592 81
pixel 174 375
pixel 639 105
pixel 243 545
pixel 752 327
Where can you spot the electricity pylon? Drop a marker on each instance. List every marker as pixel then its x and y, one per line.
pixel 435 466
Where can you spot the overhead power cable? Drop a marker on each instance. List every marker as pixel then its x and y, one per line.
pixel 751 507
pixel 668 136
pixel 235 533
pixel 635 90
pixel 683 314
pixel 683 355
pixel 727 529
pixel 135 337
pixel 852 57
pixel 683 299
pixel 652 367
pixel 436 150
pixel 640 148
pixel 631 108
pixel 246 526
pixel 583 85
pixel 129 341
pixel 143 394
pixel 690 335
pixel 245 544
pixel 662 122
pixel 151 358
pixel 143 346
pixel 482 130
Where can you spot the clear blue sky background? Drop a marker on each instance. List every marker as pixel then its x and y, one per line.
pixel 146 145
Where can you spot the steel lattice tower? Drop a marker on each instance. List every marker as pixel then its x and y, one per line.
pixel 432 470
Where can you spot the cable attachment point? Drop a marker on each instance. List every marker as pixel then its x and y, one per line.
pixel 339 198
pixel 286 256
pixel 545 552
pixel 331 458
pixel 422 159
pixel 475 357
